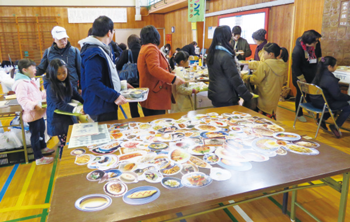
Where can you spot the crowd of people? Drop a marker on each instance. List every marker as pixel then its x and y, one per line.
pixel 92 77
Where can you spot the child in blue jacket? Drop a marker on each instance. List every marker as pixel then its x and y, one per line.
pixel 59 92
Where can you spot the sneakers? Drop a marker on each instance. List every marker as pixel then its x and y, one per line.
pixel 335 131
pixel 44 160
pixel 302 119
pixel 47 151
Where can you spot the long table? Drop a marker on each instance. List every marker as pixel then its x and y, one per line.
pixel 263 180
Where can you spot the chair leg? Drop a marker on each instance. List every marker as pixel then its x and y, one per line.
pixel 319 123
pixel 336 125
pixel 296 115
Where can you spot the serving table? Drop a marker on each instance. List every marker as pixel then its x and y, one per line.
pixel 263 180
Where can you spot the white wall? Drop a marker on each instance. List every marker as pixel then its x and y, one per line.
pixel 82 3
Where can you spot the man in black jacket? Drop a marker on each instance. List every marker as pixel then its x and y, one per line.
pixel 62 49
pixel 305 57
pixel 190 48
pixel 239 44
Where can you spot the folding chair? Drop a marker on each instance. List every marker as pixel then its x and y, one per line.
pixel 311 89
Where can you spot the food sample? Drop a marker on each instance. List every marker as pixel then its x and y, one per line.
pixel 198 162
pixel 207 128
pixel 129 156
pixel 181 125
pixel 201 149
pixel 115 188
pixel 116 136
pixel 129 166
pixel 189 168
pixel 299 149
pixel 213 158
pixel 93 202
pixel 172 183
pixel 197 180
pixel 158 146
pixel 179 155
pixel 172 170
pixel 286 135
pixel 214 141
pixel 142 194
pixel 144 126
pixel 128 177
pixel 151 176
pixel 307 144
pixel 83 159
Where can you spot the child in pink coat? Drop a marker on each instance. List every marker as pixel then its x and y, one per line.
pixel 30 97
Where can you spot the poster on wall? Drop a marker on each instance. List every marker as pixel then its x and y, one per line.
pixel 196 10
pixel 88 15
pixel 211 30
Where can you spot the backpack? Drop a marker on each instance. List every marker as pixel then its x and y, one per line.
pixel 129 70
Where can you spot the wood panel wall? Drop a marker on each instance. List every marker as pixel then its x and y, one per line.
pixel 79 31
pixel 308 15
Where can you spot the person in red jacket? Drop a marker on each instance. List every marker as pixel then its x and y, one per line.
pixel 155 74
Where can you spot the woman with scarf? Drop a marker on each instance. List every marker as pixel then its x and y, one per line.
pixel 260 40
pixel 305 57
pixel 225 83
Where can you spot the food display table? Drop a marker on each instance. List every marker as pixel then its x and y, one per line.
pixel 279 172
pixel 13 111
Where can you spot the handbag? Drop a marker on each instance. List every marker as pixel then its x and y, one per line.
pixel 129 70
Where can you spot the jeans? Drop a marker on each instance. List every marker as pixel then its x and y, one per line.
pixel 134 110
pixel 37 130
pixel 152 112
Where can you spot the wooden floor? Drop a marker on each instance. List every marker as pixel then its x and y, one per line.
pixel 27 197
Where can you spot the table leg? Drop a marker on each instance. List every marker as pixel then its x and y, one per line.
pixel 195 101
pixel 23 137
pixel 285 202
pixel 343 197
pixel 293 206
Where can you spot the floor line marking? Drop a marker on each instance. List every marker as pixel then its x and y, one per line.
pixel 241 212
pixel 24 218
pixel 27 207
pixel 8 181
pixel 26 185
pixel 229 214
pixel 180 215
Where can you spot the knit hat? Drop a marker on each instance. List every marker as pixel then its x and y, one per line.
pixel 259 35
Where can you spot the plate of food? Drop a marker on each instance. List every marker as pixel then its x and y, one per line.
pixel 153 176
pixel 93 202
pixel 219 174
pixel 219 141
pixel 124 150
pixel 281 151
pixel 218 123
pixel 301 150
pixel 265 144
pixel 116 135
pixel 196 180
pixel 76 152
pixel 182 144
pixel 211 158
pixel 161 161
pixel 119 126
pixel 263 131
pixel 135 95
pixel 168 129
pixel 115 188
pixel 275 128
pixel 131 144
pixel 213 134
pixel 112 174
pixel 140 171
pixel 236 129
pixel 182 125
pixel 213 115
pixel 166 121
pixel 207 128
pixel 201 150
pixel 114 145
pixel 129 177
pixel 241 114
pixel 141 195
pixel 287 136
pixel 181 120
pixel 131 156
pixel 179 155
pixel 253 155
pixel 189 168
pixel 95 175
pixel 234 165
pixel 172 183
pixel 172 169
pixel 127 166
pixel 229 154
pixel 158 146
pixel 307 144
pixel 199 162
pixel 145 126
pixel 83 159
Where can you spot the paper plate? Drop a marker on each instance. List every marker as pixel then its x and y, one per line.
pixel 211 158
pixel 140 201
pixel 129 177
pixel 307 144
pixel 112 174
pixel 196 180
pixel 201 150
pixel 93 202
pixel 189 168
pixel 232 165
pixel 153 176
pixel 209 135
pixel 131 156
pixel 179 155
pixel 95 175
pixel 255 156
pixel 115 188
pixel 219 174
pixel 209 128
pixel 229 154
pixel 287 136
pixel 77 152
pixel 83 159
pixel 172 169
pixel 265 144
pixel 301 150
pixel 172 183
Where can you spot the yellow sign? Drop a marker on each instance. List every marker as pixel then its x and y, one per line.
pixel 194 25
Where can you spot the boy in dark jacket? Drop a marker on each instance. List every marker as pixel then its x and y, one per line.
pixel 99 80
